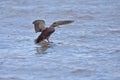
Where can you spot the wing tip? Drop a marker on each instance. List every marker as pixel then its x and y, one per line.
pixel 37 21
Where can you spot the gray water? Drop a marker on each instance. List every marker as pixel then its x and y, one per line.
pixel 88 49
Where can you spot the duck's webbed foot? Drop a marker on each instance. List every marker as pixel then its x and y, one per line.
pixel 49 40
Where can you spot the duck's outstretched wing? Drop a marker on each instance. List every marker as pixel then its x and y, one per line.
pixel 58 23
pixel 39 25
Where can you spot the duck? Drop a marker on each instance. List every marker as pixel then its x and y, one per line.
pixel 46 32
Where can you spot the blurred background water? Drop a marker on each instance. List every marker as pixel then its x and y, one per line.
pixel 88 49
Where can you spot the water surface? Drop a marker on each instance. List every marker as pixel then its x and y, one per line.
pixel 88 49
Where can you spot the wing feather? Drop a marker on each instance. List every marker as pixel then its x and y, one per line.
pixel 64 22
pixel 58 23
pixel 39 25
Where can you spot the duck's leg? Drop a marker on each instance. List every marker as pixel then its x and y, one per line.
pixel 48 40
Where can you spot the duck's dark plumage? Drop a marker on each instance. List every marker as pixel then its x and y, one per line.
pixel 45 34
pixel 39 26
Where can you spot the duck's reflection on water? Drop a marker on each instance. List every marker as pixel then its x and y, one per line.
pixel 41 49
